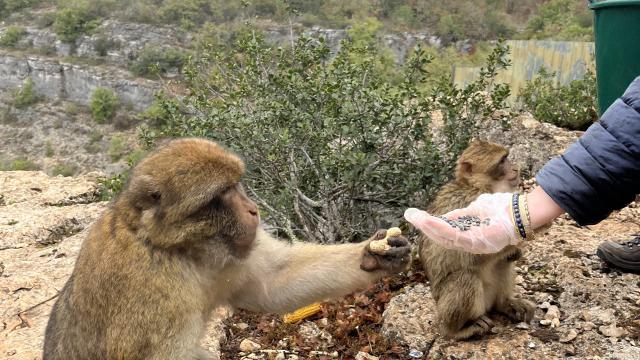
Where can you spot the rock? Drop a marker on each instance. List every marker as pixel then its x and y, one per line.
pixel 324 353
pixel 553 312
pixel 570 350
pixel 415 354
pixel 531 142
pixel 324 322
pixel 545 322
pixel 364 356
pixel 586 314
pixel 409 318
pixel 545 305
pixel 531 345
pixel 241 326
pixel 279 356
pixel 588 326
pixel 569 336
pixel 604 316
pixel 248 345
pixel 522 326
pixel 312 333
pixel 59 80
pixel 612 331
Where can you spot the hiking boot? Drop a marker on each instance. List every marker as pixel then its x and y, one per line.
pixel 625 256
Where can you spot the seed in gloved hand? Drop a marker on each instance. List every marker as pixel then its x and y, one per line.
pixel 464 223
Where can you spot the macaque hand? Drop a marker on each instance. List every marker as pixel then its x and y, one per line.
pixel 494 231
pixel 388 252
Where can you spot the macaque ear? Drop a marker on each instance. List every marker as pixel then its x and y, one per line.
pixel 144 192
pixel 465 167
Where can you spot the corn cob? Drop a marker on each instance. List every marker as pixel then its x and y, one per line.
pixel 302 313
pixel 380 246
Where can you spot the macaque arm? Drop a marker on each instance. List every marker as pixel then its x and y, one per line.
pixel 278 277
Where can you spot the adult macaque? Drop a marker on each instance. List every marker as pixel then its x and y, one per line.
pixel 181 239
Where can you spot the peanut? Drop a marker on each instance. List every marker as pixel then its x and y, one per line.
pixel 382 246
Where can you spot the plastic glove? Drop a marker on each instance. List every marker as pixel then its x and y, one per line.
pixel 483 239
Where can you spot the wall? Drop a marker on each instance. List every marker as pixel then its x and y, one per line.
pixel 570 60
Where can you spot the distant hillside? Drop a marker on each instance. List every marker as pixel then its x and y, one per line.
pixel 450 20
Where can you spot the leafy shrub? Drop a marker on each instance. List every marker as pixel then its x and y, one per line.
pixel 103 44
pixel 23 165
pixel 187 13
pixel 25 95
pixel 104 103
pixel 72 22
pixel 572 106
pixel 157 61
pixel 45 20
pixel 332 149
pixel 9 6
pixel 117 148
pixel 64 170
pixel 561 20
pixel 154 116
pixel 109 187
pixel 48 149
pixel 12 35
pixel 94 145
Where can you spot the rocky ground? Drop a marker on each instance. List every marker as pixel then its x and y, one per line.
pixel 585 309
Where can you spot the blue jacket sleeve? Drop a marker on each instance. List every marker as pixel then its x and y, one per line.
pixel 600 172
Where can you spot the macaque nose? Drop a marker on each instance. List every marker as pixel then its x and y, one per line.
pixel 253 209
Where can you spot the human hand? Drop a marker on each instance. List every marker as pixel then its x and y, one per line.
pixel 495 231
pixel 393 259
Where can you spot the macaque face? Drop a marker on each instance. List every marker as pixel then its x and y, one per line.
pixel 509 178
pixel 242 231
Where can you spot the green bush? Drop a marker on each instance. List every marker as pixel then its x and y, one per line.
pixel 154 116
pixel 9 6
pixel 157 61
pixel 104 103
pixel 332 149
pixel 72 22
pixel 103 44
pixel 48 149
pixel 109 187
pixel 561 20
pixel 45 20
pixel 94 145
pixel 571 106
pixel 64 170
pixel 117 148
pixel 12 35
pixel 23 165
pixel 25 95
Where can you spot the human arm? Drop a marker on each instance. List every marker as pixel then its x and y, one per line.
pixel 599 173
pixel 279 277
pixel 491 237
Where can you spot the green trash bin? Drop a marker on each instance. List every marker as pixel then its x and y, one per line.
pixel 617 38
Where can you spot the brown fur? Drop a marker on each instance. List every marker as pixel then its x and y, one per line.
pixel 466 286
pixel 181 239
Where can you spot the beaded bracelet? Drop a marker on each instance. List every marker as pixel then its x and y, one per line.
pixel 520 217
pixel 515 208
